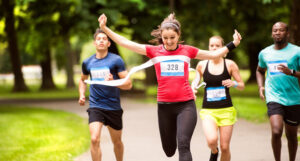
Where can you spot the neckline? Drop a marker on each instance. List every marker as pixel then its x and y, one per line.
pixel 224 66
pixel 170 50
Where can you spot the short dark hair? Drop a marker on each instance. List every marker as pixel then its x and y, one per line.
pixel 286 26
pixel 98 31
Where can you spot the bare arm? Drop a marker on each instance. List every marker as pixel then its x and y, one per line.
pixel 205 54
pixel 260 78
pixel 288 71
pixel 122 41
pixel 82 88
pixel 127 85
pixel 198 69
pixel 235 73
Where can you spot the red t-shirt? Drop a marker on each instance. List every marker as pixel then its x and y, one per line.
pixel 172 76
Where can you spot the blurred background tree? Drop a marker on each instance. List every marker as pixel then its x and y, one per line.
pixel 54 32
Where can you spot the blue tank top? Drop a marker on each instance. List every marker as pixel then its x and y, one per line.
pixel 104 97
pixel 216 95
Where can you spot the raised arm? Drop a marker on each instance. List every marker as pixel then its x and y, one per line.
pixel 205 54
pixel 122 41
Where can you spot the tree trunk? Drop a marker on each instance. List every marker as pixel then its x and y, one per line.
pixel 19 83
pixel 47 79
pixel 69 64
pixel 295 23
pixel 253 48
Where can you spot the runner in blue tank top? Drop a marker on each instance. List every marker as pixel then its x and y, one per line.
pixel 282 92
pixel 104 101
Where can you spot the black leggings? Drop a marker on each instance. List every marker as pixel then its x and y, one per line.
pixel 177 122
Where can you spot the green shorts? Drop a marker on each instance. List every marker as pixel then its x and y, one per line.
pixel 222 116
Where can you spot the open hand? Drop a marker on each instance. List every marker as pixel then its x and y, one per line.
pixel 102 20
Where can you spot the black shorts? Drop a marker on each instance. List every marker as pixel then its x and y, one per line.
pixel 290 114
pixel 112 118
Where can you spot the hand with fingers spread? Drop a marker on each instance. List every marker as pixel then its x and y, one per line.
pixel 236 38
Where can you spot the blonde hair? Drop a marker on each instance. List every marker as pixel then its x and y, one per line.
pixel 218 37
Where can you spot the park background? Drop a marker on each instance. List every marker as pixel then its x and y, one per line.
pixel 43 43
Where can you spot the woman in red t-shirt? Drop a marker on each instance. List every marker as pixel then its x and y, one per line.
pixel 177 115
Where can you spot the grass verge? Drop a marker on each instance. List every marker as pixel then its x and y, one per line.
pixel 33 134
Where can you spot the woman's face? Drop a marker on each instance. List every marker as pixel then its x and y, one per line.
pixel 214 44
pixel 170 39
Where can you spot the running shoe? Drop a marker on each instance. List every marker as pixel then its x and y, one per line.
pixel 214 157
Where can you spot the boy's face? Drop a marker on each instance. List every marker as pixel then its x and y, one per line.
pixel 101 42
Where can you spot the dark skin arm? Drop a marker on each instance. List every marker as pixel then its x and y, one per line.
pixel 260 78
pixel 288 71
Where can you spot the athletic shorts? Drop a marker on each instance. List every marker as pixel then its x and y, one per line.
pixel 290 114
pixel 221 116
pixel 112 118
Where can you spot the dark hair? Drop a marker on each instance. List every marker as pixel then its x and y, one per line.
pixel 286 26
pixel 98 31
pixel 169 22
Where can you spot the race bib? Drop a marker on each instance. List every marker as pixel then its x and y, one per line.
pixel 273 66
pixel 99 73
pixel 215 93
pixel 172 68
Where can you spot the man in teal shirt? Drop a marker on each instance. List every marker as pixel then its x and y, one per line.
pixel 282 62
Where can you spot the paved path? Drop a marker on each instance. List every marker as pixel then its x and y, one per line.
pixel 250 142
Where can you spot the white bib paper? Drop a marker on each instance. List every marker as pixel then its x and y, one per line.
pixel 273 66
pixel 99 73
pixel 215 93
pixel 149 63
pixel 172 68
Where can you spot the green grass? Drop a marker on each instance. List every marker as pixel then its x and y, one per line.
pixel 34 93
pixel 32 134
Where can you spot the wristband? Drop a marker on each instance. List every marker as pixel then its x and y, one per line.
pixel 230 46
pixel 235 84
pixel 293 72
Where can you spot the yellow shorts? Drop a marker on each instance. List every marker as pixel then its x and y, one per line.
pixel 222 117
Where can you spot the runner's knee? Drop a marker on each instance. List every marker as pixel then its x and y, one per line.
pixel 95 140
pixel 224 148
pixel 117 142
pixel 212 142
pixel 276 132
